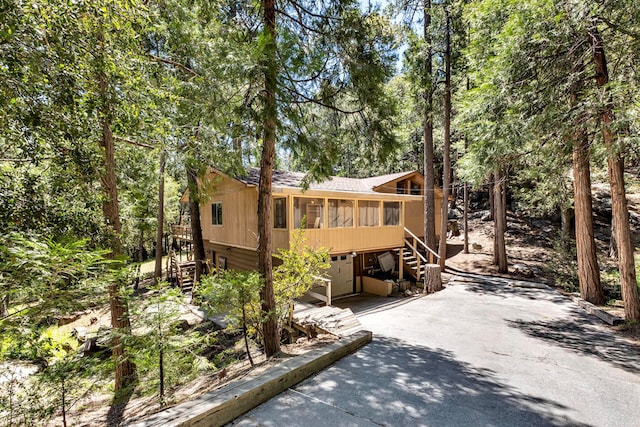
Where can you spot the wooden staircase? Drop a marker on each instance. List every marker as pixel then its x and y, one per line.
pixel 184 273
pixel 412 261
pixel 415 255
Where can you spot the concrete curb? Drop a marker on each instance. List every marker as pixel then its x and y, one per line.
pixel 221 406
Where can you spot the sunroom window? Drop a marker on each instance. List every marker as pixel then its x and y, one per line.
pixel 280 212
pixel 368 213
pixel 309 211
pixel 340 213
pixel 391 213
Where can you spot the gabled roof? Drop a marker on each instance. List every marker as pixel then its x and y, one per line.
pixel 335 183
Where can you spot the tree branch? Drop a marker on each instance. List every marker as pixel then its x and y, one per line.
pixel 174 64
pixel 297 5
pixel 129 141
pixel 307 100
pixel 619 28
pixel 302 24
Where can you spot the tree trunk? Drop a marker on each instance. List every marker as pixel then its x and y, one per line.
pixel 140 252
pixel 465 219
pixel 566 215
pixel 588 271
pixel 499 224
pixel 432 278
pixel 160 231
pixel 615 161
pixel 4 306
pixel 265 198
pixel 446 149
pixel 613 243
pixel 626 262
pixel 125 368
pixel 492 208
pixel 429 175
pixel 196 225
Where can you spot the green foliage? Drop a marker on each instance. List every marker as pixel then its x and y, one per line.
pixel 167 351
pixel 43 278
pixel 299 271
pixel 237 293
pixel 29 397
pixel 524 58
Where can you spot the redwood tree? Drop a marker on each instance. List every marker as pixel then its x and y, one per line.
pixel 344 72
pixel 588 271
pixel 265 199
pixel 499 222
pixel 446 149
pixel 615 162
pixel 125 368
pixel 429 174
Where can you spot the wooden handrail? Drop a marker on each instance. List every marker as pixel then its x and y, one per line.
pixel 417 239
pixel 416 252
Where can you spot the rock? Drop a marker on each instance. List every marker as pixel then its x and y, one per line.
pixel 476 246
pixel 80 333
pixel 65 320
pixel 408 293
pixel 523 270
pixel 453 228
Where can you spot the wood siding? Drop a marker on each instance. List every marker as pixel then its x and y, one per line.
pixel 280 239
pixel 237 258
pixel 239 215
pixel 358 239
pixel 414 216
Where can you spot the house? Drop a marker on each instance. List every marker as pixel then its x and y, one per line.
pixel 358 220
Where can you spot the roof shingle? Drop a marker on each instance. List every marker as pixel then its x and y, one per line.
pixel 334 183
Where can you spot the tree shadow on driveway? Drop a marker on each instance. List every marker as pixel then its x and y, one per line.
pixel 583 338
pixel 390 382
pixel 500 287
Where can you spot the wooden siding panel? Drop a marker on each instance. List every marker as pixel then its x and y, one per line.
pixel 414 216
pixel 358 239
pixel 237 258
pixel 239 215
pixel 280 239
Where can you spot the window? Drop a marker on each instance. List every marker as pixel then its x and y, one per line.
pixel 280 212
pixel 216 213
pixel 340 213
pixel 368 214
pixel 391 213
pixel 309 212
pixel 415 189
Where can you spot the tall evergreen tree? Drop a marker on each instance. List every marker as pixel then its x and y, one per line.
pixel 328 55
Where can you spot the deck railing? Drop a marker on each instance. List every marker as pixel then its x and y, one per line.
pixel 416 241
pixel 413 243
pixel 182 232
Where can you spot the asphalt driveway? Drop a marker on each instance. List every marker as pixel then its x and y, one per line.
pixel 479 353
